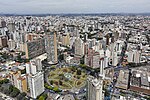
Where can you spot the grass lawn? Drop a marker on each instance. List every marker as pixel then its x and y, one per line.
pixel 67 78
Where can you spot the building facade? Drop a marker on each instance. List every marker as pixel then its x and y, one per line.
pixel 51 47
pixel 36 84
pixel 35 48
pixel 94 88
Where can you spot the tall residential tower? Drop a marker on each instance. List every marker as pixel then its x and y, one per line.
pixel 51 47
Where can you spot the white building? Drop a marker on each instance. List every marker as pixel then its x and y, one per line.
pixel 36 84
pixel 115 58
pixel 35 78
pixel 11 44
pixel 134 56
pixel 79 47
pixel 94 88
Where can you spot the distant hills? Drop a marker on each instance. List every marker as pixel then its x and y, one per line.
pixel 80 14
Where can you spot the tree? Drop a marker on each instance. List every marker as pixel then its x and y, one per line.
pixel 6 81
pixel 106 93
pixel 48 87
pixel 22 96
pixel 1 81
pixel 60 82
pixel 82 60
pixel 61 57
pixel 78 77
pixel 15 92
pixel 11 88
pixel 23 53
pixel 51 82
pixel 147 98
pixel 56 89
pixel 1 88
pixel 78 72
pixel 23 71
pixel 43 97
pixel 73 68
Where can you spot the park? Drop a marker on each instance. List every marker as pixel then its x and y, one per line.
pixel 67 78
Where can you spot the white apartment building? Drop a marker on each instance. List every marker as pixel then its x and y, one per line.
pixel 36 84
pixel 94 88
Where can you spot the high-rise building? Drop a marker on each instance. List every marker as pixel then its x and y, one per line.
pixel 94 88
pixel 18 80
pixel 22 47
pixel 118 45
pixel 3 24
pixel 66 39
pixel 137 56
pixel 79 47
pixel 35 48
pixel 14 77
pixel 36 84
pixel 3 41
pixel 35 78
pixel 35 66
pixel 92 58
pixel 51 47
pixel 102 66
pixel 11 27
pixel 134 56
pixel 115 58
pixel 11 44
pixel 22 83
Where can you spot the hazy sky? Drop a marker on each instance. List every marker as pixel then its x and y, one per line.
pixel 74 6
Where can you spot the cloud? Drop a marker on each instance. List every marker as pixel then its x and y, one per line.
pixel 73 6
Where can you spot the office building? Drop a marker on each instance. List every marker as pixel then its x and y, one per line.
pixel 51 47
pixel 35 48
pixel 123 79
pixel 11 27
pixel 66 39
pixel 134 56
pixel 78 46
pixel 92 58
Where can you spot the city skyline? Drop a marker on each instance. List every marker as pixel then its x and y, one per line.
pixel 76 6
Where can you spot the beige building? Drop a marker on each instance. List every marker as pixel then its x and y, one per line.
pixel 22 47
pixel 66 39
pixel 22 84
pixel 3 41
pixel 92 59
pixel 14 77
pixel 79 47
pixel 94 88
pixel 18 80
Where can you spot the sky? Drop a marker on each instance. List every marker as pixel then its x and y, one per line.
pixel 74 6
